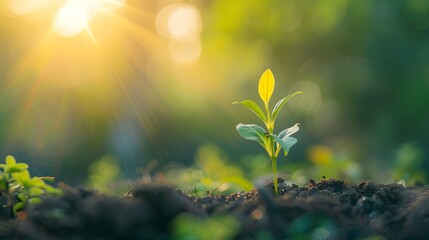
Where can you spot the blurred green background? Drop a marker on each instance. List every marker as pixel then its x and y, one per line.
pixel 145 91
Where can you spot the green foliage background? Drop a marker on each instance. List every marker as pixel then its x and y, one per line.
pixel 362 65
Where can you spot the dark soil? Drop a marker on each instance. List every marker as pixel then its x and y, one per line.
pixel 328 209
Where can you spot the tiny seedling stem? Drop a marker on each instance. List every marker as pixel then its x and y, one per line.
pixel 276 184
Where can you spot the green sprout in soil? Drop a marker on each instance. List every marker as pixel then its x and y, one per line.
pixel 18 188
pixel 265 137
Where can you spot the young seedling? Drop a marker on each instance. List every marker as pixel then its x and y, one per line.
pixel 19 188
pixel 265 137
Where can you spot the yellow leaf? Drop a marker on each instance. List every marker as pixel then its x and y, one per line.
pixel 10 160
pixel 266 86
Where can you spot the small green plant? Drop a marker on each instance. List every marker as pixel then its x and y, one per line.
pixel 265 137
pixel 18 188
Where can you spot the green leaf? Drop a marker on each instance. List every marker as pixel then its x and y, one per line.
pixel 52 190
pixel 252 106
pixel 284 139
pixel 3 185
pixel 14 169
pixel 22 197
pixel 18 207
pixel 266 86
pixel 35 200
pixel 21 176
pixel 47 178
pixel 22 166
pixel 252 132
pixel 36 182
pixel 10 160
pixel 280 104
pixel 289 131
pixel 35 191
pixel 286 143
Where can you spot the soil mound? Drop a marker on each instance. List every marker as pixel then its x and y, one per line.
pixel 330 208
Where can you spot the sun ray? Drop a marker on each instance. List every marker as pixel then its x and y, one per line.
pixel 95 75
pixel 88 30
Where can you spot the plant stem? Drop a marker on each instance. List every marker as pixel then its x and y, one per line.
pixel 274 165
pixel 268 123
pixel 273 153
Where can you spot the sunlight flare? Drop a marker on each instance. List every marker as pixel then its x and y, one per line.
pixel 110 5
pixel 73 18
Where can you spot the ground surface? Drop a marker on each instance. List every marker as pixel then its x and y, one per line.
pixel 328 209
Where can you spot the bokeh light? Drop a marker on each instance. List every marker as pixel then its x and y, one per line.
pixel 184 22
pixel 292 15
pixel 185 51
pixel 309 104
pixel 181 23
pixel 22 7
